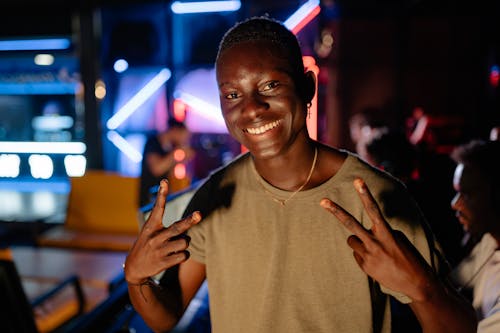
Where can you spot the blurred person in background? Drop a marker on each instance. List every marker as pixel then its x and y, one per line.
pixel 361 127
pixel 162 151
pixel 391 151
pixel 495 133
pixel 477 206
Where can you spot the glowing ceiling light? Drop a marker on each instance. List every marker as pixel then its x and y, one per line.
pixel 9 165
pixel 75 165
pixel 138 99
pixel 120 65
pixel 43 59
pixel 302 16
pixel 124 146
pixel 51 123
pixel 100 89
pixel 41 166
pixel 35 44
pixel 42 147
pixel 179 7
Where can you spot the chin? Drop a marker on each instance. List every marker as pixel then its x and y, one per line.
pixel 264 152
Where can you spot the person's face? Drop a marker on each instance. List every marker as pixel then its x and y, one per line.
pixel 259 102
pixel 472 202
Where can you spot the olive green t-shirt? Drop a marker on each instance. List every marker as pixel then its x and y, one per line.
pixel 273 268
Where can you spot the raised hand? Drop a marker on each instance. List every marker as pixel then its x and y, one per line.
pixel 158 248
pixel 383 253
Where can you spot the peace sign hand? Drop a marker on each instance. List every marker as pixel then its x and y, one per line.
pixel 158 248
pixel 384 254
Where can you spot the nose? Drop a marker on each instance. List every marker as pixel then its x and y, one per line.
pixel 456 201
pixel 255 105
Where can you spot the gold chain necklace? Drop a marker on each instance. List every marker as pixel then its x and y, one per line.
pixel 282 202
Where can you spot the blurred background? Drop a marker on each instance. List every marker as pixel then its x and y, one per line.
pixel 84 83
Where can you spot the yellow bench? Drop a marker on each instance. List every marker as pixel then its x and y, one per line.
pixel 102 213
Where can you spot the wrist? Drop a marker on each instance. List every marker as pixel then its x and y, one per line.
pixel 139 282
pixel 427 290
pixel 149 281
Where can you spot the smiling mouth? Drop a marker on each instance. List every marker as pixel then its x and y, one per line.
pixel 264 128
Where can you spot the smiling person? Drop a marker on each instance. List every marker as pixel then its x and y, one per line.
pixel 274 259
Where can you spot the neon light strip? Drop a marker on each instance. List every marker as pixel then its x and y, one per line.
pixel 39 88
pixel 302 16
pixel 35 44
pixel 200 106
pixel 124 146
pixel 32 147
pixel 204 7
pixel 138 99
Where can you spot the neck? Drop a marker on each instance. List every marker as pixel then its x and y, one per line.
pixel 289 170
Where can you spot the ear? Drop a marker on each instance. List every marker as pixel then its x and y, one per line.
pixel 309 86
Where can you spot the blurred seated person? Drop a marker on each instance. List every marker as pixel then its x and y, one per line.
pixel 361 125
pixel 477 207
pixel 417 126
pixel 162 152
pixel 495 133
pixel 391 151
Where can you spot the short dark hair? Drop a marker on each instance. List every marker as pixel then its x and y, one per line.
pixel 266 29
pixel 483 156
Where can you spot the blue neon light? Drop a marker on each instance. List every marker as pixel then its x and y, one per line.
pixel 39 88
pixel 35 44
pixel 35 147
pixel 124 146
pixel 138 99
pixel 179 7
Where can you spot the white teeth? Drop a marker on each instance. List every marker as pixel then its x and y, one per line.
pixel 264 128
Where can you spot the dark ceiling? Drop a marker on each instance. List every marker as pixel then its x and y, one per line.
pixel 27 17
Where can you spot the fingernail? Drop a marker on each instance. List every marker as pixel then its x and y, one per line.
pixel 359 185
pixel 196 216
pixel 325 203
pixel 163 184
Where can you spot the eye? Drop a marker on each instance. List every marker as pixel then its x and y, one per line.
pixel 232 95
pixel 270 85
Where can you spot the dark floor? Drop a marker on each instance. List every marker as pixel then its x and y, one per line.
pixel 28 208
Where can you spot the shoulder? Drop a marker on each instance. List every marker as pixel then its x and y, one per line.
pixel 217 189
pixel 377 180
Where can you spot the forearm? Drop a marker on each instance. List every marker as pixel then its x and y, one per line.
pixel 161 309
pixel 442 310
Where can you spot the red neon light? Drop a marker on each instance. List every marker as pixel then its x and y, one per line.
pixel 306 20
pixel 179 110
pixel 494 78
